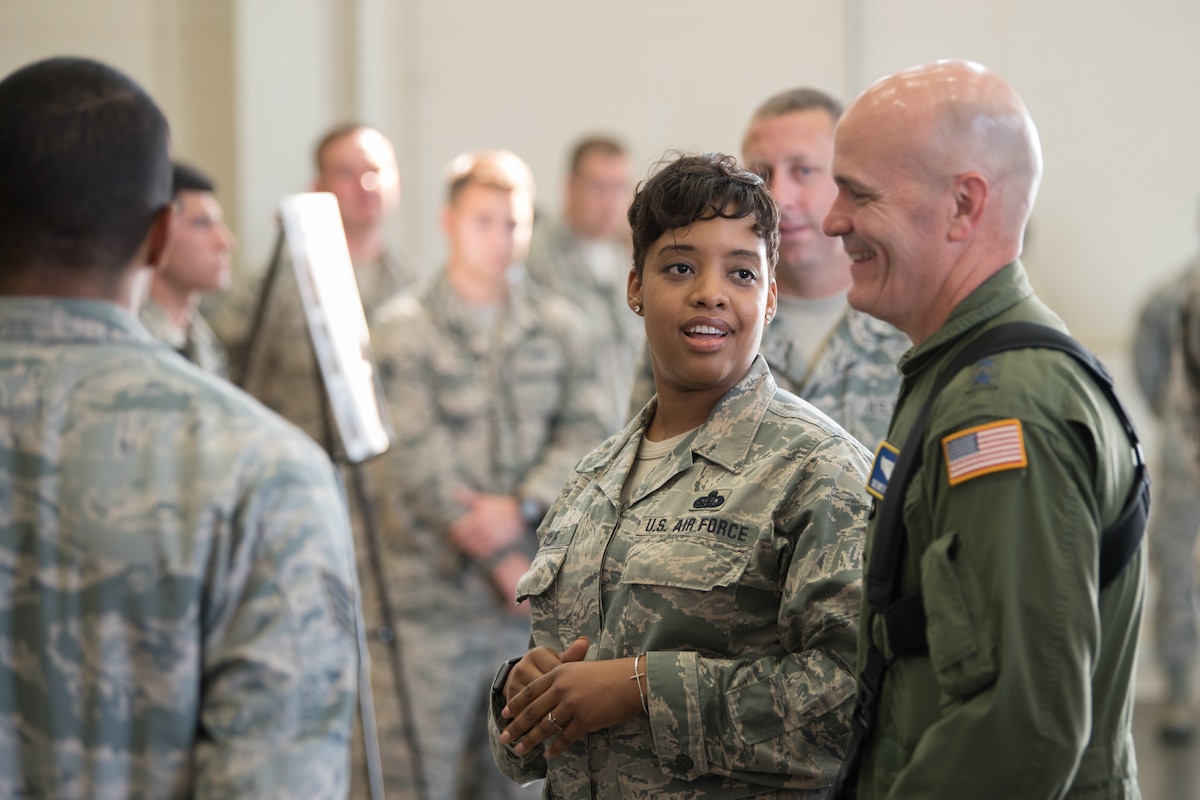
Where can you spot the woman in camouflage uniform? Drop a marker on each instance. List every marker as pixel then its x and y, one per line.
pixel 697 585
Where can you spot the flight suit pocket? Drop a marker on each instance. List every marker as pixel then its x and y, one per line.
pixel 960 644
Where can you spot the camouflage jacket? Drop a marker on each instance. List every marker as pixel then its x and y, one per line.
pixel 1184 390
pixel 178 604
pixel 197 344
pixel 854 379
pixel 556 260
pixel 736 569
pixel 505 411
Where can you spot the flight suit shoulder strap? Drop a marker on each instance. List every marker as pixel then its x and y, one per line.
pixel 1118 543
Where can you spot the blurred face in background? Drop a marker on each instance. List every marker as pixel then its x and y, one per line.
pixel 360 170
pixel 598 196
pixel 201 254
pixel 793 154
pixel 487 229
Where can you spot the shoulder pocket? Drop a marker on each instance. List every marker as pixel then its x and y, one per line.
pixel 957 628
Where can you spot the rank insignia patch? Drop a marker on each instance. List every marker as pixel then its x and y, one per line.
pixel 713 499
pixel 984 449
pixel 881 469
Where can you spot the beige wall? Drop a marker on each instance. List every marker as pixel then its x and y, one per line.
pixel 180 50
pixel 250 84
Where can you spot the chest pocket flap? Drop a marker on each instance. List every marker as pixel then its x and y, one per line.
pixel 546 564
pixel 682 563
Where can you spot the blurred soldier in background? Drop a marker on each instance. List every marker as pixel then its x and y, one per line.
pixel 586 257
pixel 199 262
pixel 493 391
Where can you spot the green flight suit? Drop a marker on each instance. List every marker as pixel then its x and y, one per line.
pixel 1027 688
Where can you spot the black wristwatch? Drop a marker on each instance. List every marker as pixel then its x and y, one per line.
pixel 532 512
pixel 502 679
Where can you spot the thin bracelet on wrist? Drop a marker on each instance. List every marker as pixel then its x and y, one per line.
pixel 637 678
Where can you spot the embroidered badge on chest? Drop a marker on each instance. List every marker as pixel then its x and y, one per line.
pixel 984 449
pixel 881 469
pixel 714 499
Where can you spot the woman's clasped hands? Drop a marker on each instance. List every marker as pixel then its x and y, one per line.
pixel 561 697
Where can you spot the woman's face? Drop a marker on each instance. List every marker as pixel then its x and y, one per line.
pixel 705 292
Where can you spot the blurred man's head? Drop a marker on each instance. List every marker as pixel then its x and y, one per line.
pixel 86 171
pixel 599 189
pixel 489 212
pixel 201 255
pixel 789 143
pixel 358 165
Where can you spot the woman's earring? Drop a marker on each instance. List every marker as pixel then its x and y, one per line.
pixel 637 309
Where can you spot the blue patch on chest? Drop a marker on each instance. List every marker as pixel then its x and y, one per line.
pixel 881 469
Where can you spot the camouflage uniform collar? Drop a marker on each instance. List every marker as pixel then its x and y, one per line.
pixel 46 319
pixel 994 296
pixel 725 437
pixel 518 311
pixel 156 321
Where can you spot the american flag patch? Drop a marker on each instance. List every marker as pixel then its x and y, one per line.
pixel 983 449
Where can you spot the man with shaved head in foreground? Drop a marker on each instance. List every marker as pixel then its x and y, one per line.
pixel 996 650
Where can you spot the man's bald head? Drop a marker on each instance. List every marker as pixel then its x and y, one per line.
pixel 937 168
pixel 953 117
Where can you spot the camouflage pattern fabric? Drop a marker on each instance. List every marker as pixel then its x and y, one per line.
pixel 1184 390
pixel 197 344
pixel 556 260
pixel 736 569
pixel 283 370
pixel 505 410
pixel 178 603
pixel 1175 515
pixel 854 379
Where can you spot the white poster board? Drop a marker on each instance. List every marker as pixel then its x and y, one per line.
pixel 317 242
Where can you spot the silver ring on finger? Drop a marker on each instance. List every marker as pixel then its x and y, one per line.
pixel 550 718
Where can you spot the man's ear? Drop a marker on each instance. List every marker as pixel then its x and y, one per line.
pixel 970 196
pixel 159 239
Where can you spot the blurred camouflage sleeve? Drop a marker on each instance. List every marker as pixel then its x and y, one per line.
pixel 1184 391
pixel 1155 337
pixel 280 655
pixel 579 424
pixel 419 471
pixel 788 715
pixel 521 769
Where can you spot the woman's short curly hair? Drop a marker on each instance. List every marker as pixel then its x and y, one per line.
pixel 694 188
